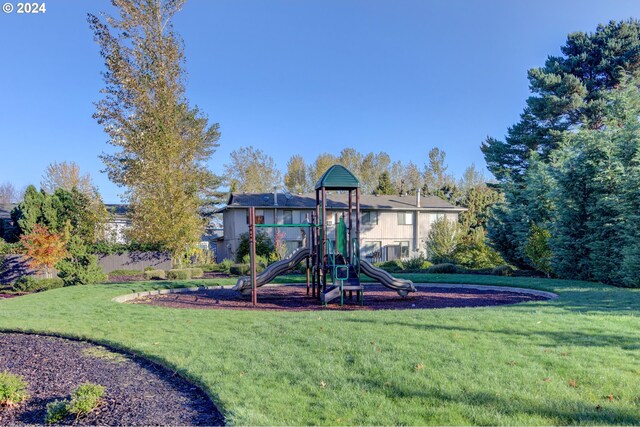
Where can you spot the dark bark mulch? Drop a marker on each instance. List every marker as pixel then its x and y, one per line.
pixel 376 297
pixel 137 392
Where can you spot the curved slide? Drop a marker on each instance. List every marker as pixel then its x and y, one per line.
pixel 276 269
pixel 402 286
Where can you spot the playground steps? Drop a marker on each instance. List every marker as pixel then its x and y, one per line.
pixel 351 284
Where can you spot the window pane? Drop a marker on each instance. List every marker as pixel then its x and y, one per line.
pixel 287 217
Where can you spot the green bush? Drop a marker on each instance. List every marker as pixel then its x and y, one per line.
pixel 394 266
pixel 196 271
pixel 85 398
pixel 155 275
pixel 179 274
pixel 56 411
pixel 264 245
pixel 126 273
pixel 413 264
pixel 34 284
pixel 13 389
pixel 7 248
pixel 445 268
pixel 503 270
pixel 240 269
pixel 221 267
pixel 261 262
pixel 81 268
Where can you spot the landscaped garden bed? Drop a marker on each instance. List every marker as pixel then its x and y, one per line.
pixel 136 391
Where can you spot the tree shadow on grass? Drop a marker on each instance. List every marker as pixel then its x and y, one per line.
pixel 559 412
pixel 543 338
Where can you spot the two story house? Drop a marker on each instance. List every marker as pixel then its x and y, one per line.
pixel 391 227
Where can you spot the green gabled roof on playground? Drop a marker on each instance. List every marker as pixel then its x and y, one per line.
pixel 337 177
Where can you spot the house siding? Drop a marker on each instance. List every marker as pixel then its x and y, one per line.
pixel 386 234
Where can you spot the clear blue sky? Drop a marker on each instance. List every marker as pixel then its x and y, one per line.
pixel 297 76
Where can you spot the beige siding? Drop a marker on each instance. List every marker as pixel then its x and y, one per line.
pixel 386 233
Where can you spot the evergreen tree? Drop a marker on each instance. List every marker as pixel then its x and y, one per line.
pixel 384 185
pixel 570 92
pixel 36 208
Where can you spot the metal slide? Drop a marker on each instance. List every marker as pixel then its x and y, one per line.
pixel 276 269
pixel 402 286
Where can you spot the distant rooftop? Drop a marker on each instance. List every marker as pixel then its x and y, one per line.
pixel 339 201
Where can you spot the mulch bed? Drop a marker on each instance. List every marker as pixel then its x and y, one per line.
pixel 376 297
pixel 138 392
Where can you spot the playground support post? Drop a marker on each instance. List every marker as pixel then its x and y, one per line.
pixel 252 240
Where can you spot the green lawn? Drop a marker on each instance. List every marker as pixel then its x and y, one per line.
pixel 572 360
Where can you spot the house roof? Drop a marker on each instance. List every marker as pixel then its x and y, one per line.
pixel 117 210
pixel 337 177
pixel 339 201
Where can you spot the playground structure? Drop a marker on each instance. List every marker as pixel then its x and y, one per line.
pixel 333 266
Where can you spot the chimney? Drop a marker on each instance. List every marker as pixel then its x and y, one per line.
pixel 418 198
pixel 275 196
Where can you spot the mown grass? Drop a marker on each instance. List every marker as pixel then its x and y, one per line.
pixel 571 360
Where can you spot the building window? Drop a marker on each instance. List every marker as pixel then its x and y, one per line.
pixel 405 218
pixel 370 217
pixel 287 217
pixel 259 216
pixel 436 217
pixel 372 251
pixel 404 249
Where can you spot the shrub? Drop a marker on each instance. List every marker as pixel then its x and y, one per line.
pixel 155 275
pixel 264 245
pixel 81 267
pixel 240 269
pixel 503 270
pixel 56 411
pixel 261 262
pixel 13 389
pixel 443 239
pixel 34 284
pixel 474 252
pixel 126 273
pixel 537 249
pixel 44 248
pixel 85 398
pixel 7 248
pixel 179 274
pixel 394 266
pixel 413 264
pixel 196 272
pixel 445 268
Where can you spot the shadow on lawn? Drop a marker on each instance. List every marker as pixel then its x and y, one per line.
pixel 559 412
pixel 543 338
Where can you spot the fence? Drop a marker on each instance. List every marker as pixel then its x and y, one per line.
pixel 14 266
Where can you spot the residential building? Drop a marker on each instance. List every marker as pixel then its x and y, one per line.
pixel 391 227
